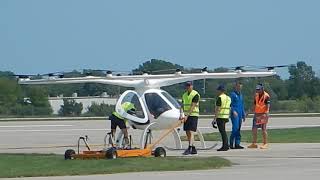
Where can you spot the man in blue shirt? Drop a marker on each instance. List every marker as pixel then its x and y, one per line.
pixel 237 116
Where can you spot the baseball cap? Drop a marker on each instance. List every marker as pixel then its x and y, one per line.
pixel 221 87
pixel 259 87
pixel 189 83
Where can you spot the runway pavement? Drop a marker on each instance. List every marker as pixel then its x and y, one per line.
pixel 281 161
pixel 35 136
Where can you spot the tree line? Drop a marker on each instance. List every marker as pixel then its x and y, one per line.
pixel 299 93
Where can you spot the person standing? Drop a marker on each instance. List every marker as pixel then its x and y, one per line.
pixel 222 114
pixel 118 121
pixel 237 116
pixel 189 115
pixel 261 109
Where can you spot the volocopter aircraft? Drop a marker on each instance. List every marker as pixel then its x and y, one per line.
pixel 155 108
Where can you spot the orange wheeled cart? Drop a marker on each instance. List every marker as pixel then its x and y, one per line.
pixel 114 152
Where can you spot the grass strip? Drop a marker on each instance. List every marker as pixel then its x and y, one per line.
pixel 292 135
pixel 31 165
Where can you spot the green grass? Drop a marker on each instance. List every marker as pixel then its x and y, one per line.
pixel 295 135
pixel 29 165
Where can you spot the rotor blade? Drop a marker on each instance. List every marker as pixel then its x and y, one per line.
pixel 276 66
pixel 88 79
pixel 196 76
pixel 148 81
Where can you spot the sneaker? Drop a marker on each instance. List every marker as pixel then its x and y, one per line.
pixel 264 146
pixel 238 147
pixel 223 149
pixel 187 151
pixel 231 147
pixel 253 146
pixel 193 150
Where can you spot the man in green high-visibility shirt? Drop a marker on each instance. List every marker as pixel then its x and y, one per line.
pixel 118 120
pixel 222 115
pixel 190 101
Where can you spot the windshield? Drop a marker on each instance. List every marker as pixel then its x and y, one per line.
pixel 171 99
pixel 156 104
pixel 133 100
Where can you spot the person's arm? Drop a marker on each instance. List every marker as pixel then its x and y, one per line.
pixel 267 102
pixel 194 103
pixel 182 113
pixel 254 105
pixel 217 108
pixel 243 109
pixel 233 100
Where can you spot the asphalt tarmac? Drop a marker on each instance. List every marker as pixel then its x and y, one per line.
pixel 280 161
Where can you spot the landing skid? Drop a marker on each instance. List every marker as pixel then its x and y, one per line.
pixel 146 137
pixel 179 149
pixel 203 145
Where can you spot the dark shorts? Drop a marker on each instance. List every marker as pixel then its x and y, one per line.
pixel 115 121
pixel 191 124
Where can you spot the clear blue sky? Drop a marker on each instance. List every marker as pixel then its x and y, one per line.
pixel 40 36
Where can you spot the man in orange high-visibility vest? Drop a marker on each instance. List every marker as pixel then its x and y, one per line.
pixel 261 109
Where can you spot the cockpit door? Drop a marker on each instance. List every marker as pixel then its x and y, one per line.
pixel 130 106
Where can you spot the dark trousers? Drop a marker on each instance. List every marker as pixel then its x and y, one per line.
pixel 222 129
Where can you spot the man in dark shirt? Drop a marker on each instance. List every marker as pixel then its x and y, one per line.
pixel 189 115
pixel 222 114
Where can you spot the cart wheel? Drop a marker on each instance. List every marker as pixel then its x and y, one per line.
pixel 68 154
pixel 111 153
pixel 160 152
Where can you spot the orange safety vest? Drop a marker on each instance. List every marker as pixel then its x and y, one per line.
pixel 261 107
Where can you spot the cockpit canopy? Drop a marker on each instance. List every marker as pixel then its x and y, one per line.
pixel 153 102
pixel 159 102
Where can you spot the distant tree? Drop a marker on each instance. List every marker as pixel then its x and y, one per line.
pixel 22 100
pixel 315 86
pixel 100 109
pixel 300 80
pixel 7 74
pixel 156 66
pixel 221 69
pixel 73 73
pixel 38 97
pixel 70 108
pixel 10 91
pixel 37 94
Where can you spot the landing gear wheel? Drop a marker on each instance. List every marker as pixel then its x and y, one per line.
pixel 160 152
pixel 111 153
pixel 68 154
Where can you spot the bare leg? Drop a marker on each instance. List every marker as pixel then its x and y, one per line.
pixel 125 132
pixel 264 136
pixel 190 137
pixel 254 135
pixel 125 135
pixel 113 132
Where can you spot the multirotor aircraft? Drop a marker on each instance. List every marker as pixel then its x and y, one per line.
pixel 155 109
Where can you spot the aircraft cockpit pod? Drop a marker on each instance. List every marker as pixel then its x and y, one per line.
pixel 130 106
pixel 156 104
